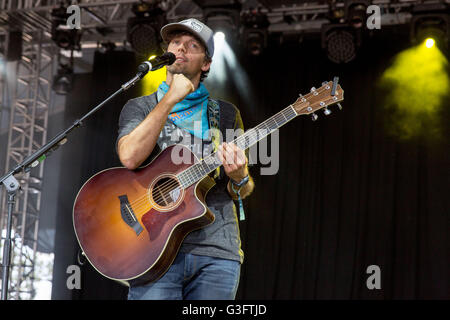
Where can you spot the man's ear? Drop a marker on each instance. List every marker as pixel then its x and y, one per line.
pixel 206 65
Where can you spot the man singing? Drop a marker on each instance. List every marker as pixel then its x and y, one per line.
pixel 209 260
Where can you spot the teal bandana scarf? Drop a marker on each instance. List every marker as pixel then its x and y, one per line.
pixel 189 113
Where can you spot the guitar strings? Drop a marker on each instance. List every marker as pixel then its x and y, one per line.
pixel 251 134
pixel 167 187
pixel 164 190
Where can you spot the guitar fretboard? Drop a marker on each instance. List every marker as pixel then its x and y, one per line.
pixel 210 163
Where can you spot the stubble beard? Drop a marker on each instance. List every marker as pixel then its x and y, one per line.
pixel 178 69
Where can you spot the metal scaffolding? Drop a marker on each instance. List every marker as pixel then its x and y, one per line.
pixel 27 132
pixel 106 20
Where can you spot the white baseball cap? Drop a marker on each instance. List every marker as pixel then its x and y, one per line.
pixel 201 30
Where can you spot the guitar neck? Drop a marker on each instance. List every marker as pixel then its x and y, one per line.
pixel 210 163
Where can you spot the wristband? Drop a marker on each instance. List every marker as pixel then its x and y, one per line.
pixel 240 183
pixel 238 192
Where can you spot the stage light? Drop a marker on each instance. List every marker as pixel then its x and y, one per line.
pixel 64 37
pixel 341 46
pixel 430 22
pixel 429 43
pixel 255 41
pixel 222 16
pixel 336 15
pixel 218 68
pixel 226 66
pixel 341 42
pixel 255 32
pixel 355 12
pixel 414 96
pixel 63 81
pixel 219 37
pixel 143 29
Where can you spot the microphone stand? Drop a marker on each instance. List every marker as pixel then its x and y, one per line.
pixel 12 185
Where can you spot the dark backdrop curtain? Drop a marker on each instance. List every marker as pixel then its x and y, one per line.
pixel 347 194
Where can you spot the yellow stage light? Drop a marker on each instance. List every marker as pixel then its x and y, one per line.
pixel 429 43
pixel 417 83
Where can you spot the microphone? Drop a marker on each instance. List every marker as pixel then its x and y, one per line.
pixel 150 65
pixel 154 64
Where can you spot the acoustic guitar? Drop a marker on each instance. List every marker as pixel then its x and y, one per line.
pixel 130 223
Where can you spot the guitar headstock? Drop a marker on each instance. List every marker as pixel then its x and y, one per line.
pixel 329 93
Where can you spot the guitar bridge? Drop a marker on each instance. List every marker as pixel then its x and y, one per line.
pixel 128 215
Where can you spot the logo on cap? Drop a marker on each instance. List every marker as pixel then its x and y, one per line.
pixel 197 27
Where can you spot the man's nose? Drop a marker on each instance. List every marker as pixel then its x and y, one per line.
pixel 181 47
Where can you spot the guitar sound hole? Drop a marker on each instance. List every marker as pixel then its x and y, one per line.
pixel 166 192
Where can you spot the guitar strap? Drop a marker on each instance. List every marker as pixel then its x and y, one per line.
pixel 214 126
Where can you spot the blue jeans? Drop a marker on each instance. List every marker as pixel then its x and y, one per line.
pixel 193 277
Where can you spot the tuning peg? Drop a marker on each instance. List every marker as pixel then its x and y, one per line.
pixel 327 111
pixel 325 83
pixel 339 106
pixel 314 116
pixel 300 96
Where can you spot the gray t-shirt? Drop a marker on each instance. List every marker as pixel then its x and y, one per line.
pixel 221 238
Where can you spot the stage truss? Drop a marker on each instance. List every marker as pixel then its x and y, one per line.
pixel 27 132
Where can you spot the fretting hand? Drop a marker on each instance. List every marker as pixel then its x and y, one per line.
pixel 234 161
